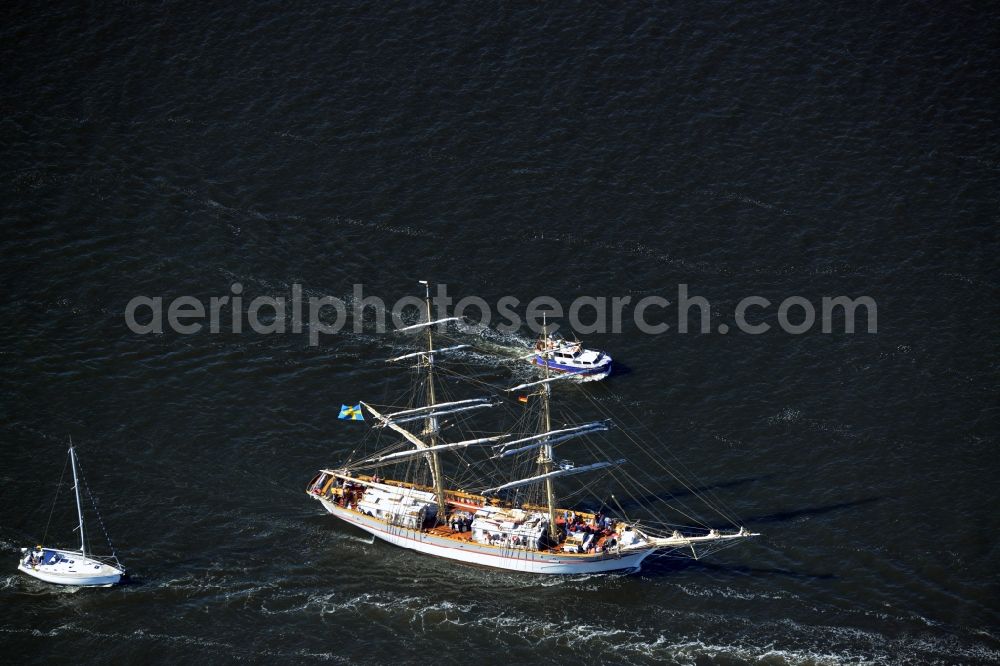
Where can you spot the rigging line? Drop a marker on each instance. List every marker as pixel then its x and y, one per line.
pixel 624 517
pixel 674 504
pixel 97 512
pixel 467 476
pixel 677 505
pixel 621 509
pixel 647 505
pixel 368 461
pixel 694 521
pixel 489 468
pixel 661 519
pixel 639 444
pixel 649 509
pixel 584 488
pixel 462 477
pixel 643 504
pixel 350 462
pixel 725 514
pixel 471 380
pixel 45 536
pixel 718 506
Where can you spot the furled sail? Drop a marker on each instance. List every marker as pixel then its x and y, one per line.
pixel 426 353
pixel 425 324
pixel 549 475
pixel 422 411
pixel 550 437
pixel 539 382
pixel 439 447
pixel 440 412
pixel 416 441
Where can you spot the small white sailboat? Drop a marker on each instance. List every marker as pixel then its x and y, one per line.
pixel 71 567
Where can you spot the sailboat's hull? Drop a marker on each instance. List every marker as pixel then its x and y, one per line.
pixel 72 569
pixel 482 554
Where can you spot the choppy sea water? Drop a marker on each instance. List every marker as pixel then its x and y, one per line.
pixel 775 149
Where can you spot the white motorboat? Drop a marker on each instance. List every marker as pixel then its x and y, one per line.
pixel 559 355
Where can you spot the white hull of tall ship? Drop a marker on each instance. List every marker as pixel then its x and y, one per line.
pixel 491 556
pixel 69 567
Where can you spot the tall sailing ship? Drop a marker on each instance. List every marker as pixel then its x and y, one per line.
pixel 490 497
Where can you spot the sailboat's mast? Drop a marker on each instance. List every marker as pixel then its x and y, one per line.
pixel 545 454
pixel 432 423
pixel 76 489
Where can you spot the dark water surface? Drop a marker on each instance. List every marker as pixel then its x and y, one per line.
pixel 775 149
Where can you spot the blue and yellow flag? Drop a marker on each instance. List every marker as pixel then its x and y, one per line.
pixel 348 413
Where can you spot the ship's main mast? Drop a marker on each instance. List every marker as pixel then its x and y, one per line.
pixel 545 454
pixel 432 422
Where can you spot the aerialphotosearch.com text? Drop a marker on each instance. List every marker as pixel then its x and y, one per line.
pixel 651 314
